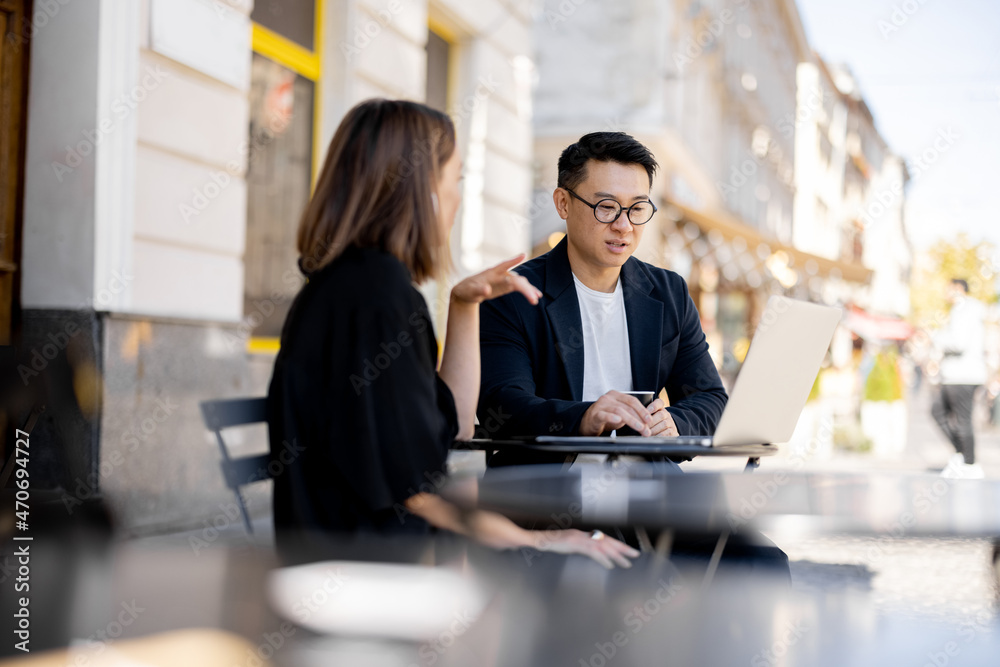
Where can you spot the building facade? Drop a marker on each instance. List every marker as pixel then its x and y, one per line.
pixel 171 147
pixel 711 87
pixel 850 187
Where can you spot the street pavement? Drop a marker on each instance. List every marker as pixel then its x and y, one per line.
pixel 949 580
pixel 946 580
pixel 927 450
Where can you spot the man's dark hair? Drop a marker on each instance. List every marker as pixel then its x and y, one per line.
pixel 603 147
pixel 963 283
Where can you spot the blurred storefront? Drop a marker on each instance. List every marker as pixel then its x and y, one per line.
pixel 732 270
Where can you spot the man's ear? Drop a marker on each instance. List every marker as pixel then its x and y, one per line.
pixel 561 199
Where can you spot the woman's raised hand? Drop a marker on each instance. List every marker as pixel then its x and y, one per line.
pixel 495 282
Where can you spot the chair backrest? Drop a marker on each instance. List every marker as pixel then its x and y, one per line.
pixel 27 427
pixel 238 471
pixel 228 412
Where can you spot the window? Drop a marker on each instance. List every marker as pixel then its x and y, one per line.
pixel 279 174
pixel 292 19
pixel 438 64
pixel 282 157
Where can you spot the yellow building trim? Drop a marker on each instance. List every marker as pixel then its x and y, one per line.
pixel 442 29
pixel 451 36
pixel 308 64
pixel 731 227
pixel 317 137
pixel 263 345
pixel 304 62
pixel 286 52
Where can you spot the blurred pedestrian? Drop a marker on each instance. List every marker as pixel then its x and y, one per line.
pixel 963 370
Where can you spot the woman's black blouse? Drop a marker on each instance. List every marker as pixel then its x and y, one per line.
pixel 359 420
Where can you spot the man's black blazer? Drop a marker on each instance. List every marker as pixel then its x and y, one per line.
pixel 532 356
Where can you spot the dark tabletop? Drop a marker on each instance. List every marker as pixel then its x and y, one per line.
pixel 652 495
pixel 623 446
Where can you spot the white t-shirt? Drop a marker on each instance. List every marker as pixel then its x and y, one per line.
pixel 607 363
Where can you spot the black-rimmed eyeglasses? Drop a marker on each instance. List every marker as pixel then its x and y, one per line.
pixel 608 210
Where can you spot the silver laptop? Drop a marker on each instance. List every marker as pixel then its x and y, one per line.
pixel 774 383
pixel 777 375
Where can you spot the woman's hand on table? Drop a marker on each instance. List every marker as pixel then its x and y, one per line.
pixel 497 531
pixel 606 550
pixel 495 282
pixel 662 422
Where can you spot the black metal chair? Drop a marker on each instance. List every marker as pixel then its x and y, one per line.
pixel 27 427
pixel 243 470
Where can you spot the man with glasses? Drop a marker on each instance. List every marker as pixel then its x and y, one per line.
pixel 607 323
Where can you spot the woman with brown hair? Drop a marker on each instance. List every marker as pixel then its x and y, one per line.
pixel 361 419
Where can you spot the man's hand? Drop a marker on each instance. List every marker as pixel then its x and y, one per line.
pixel 663 422
pixel 614 410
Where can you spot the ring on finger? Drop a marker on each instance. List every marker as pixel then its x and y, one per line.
pixel 596 535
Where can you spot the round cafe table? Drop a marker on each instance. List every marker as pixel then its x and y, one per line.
pixel 614 447
pixel 649 495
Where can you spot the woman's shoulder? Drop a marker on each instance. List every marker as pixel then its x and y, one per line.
pixel 363 289
pixel 364 276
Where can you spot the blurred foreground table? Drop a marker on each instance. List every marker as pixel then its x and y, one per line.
pixel 547 609
pixel 529 608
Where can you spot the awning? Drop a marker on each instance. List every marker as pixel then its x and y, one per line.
pixel 876 327
pixel 731 227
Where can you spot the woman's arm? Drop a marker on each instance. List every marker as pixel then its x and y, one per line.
pixel 460 362
pixel 460 367
pixel 461 372
pixel 499 532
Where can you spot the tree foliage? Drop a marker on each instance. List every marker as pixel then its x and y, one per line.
pixel 973 262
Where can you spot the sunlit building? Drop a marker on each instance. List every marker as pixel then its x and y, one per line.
pixel 850 187
pixel 711 87
pixel 171 146
pixel 850 192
